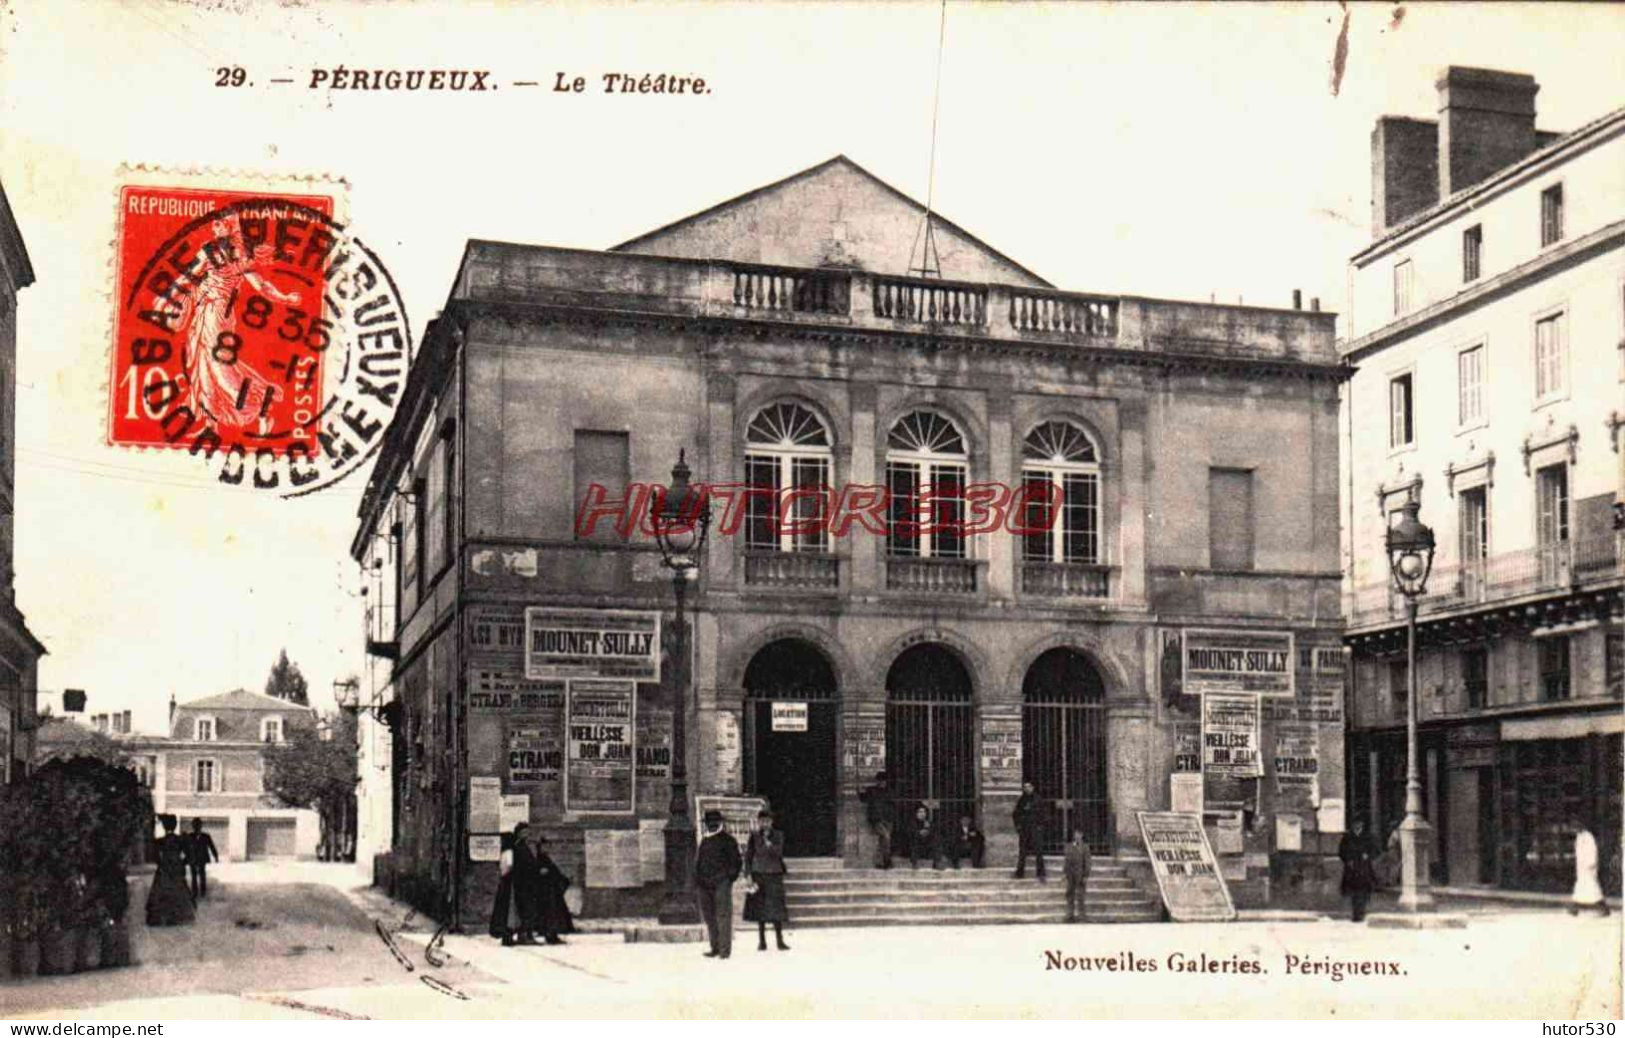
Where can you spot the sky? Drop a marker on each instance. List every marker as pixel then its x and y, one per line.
pixel 1181 151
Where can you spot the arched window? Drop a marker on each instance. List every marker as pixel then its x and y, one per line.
pixel 786 448
pixel 926 459
pixel 1061 464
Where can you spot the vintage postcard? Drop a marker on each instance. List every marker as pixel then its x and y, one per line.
pixel 927 510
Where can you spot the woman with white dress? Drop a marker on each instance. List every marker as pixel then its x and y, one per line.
pixel 1587 891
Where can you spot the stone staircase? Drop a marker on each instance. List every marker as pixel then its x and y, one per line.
pixel 823 892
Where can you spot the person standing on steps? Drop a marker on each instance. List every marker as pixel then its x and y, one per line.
pixel 1026 819
pixel 716 866
pixel 764 864
pixel 1077 876
pixel 879 805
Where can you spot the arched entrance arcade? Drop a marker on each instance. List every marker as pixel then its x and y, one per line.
pixel 1063 747
pixel 930 734
pixel 792 710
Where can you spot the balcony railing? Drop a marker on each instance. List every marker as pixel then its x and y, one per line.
pixel 789 289
pixel 931 576
pixel 1064 314
pixel 1548 567
pixel 929 301
pixel 799 570
pixel 1066 579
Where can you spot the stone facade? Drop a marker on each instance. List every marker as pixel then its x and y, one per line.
pixel 1488 337
pixel 544 352
pixel 19 649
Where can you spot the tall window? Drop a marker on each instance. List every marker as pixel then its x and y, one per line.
pixel 1399 683
pixel 1551 355
pixel 1613 663
pixel 1554 667
pixel 1475 676
pixel 1473 543
pixel 926 455
pixel 1470 385
pixel 203 729
pixel 1552 503
pixel 1551 214
pixel 1472 251
pixel 1404 287
pixel 1401 431
pixel 787 450
pixel 271 729
pixel 1230 519
pixel 420 536
pixel 1061 464
pixel 204 777
pixel 604 459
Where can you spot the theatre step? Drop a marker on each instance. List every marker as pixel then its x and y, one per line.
pixel 822 894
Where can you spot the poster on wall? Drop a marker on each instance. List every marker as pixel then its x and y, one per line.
pixel 1297 763
pixel 1185 792
pixel 1187 746
pixel 653 736
pixel 1001 751
pixel 599 716
pixel 864 742
pixel 652 849
pixel 1230 735
pixel 738 815
pixel 497 691
pixel 484 804
pixel 1257 662
pixel 1186 869
pixel 726 752
pixel 515 808
pixel 484 848
pixel 535 750
pixel 788 716
pixel 613 858
pixel 604 643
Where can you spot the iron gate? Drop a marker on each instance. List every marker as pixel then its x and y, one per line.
pixel 930 738
pixel 1063 749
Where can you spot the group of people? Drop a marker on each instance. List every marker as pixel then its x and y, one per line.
pixel 182 877
pixel 718 865
pixel 530 892
pixel 927 838
pixel 1365 869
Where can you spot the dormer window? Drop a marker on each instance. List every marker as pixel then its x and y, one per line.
pixel 271 729
pixel 203 729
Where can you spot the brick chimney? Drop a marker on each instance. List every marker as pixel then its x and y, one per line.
pixel 1486 123
pixel 1404 170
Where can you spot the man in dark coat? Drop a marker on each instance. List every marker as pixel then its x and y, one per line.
pixel 1358 876
pixel 1026 819
pixel 968 842
pixel 879 805
pixel 200 850
pixel 552 915
pixel 716 866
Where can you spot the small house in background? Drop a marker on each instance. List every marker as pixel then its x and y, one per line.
pixel 211 766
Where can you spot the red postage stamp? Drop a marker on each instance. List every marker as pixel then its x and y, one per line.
pixel 252 329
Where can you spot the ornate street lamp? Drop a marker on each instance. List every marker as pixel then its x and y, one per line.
pixel 1410 560
pixel 682 518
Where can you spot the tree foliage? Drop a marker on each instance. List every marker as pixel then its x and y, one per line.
pixel 306 770
pixel 286 681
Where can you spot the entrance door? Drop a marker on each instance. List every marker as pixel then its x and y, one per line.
pixel 790 762
pixel 1063 748
pixel 930 752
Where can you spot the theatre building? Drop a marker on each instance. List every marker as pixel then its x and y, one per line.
pixel 1191 450
pixel 1487 327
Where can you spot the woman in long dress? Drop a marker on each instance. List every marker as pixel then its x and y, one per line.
pixel 1587 891
pixel 764 864
pixel 169 902
pixel 553 915
pixel 509 917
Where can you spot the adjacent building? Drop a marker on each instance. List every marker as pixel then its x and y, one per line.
pixel 211 766
pixel 779 338
pixel 1487 330
pixel 19 649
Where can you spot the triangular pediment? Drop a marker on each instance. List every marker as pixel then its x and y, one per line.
pixel 835 214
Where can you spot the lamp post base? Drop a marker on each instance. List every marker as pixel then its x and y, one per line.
pixel 1415 847
pixel 679 908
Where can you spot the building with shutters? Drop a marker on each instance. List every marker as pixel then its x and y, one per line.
pixel 19 649
pixel 779 339
pixel 1487 329
pixel 211 766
